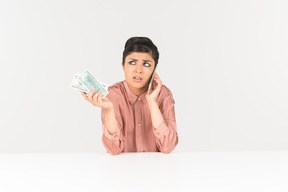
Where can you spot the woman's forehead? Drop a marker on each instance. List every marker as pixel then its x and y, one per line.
pixel 140 55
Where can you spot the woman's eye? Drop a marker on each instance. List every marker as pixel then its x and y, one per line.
pixel 131 62
pixel 147 65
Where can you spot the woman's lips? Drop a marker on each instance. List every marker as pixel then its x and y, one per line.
pixel 137 80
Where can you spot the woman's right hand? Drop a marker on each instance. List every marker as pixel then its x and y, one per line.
pixel 97 100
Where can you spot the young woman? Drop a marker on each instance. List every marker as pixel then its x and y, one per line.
pixel 132 120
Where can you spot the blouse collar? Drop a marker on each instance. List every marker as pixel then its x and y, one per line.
pixel 132 97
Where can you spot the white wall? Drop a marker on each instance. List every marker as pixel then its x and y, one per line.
pixel 224 61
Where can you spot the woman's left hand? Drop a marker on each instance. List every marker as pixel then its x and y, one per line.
pixel 155 89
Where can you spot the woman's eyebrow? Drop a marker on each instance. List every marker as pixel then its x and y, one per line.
pixel 137 60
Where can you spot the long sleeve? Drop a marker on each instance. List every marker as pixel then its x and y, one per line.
pixel 114 143
pixel 166 135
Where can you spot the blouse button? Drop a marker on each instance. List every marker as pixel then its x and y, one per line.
pixel 139 98
pixel 139 125
pixel 138 110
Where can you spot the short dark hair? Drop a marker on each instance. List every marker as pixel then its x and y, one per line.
pixel 140 44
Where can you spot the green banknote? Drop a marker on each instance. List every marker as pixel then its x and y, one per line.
pixel 90 82
pixel 78 86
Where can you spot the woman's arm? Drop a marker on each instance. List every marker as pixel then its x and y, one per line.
pixel 156 115
pixel 164 124
pixel 163 117
pixel 112 137
pixel 110 120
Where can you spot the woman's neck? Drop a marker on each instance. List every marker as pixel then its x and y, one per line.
pixel 137 91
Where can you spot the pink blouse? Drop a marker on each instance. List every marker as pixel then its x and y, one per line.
pixel 135 130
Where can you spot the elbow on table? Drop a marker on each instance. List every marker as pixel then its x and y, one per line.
pixel 111 147
pixel 169 149
pixel 114 152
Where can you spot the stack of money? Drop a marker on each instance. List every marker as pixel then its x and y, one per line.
pixel 86 82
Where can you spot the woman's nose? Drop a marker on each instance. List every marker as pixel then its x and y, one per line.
pixel 138 69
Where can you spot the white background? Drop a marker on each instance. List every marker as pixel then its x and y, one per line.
pixel 224 61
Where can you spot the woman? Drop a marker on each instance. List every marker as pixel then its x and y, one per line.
pixel 132 120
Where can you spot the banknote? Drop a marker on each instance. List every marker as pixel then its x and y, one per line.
pixel 104 85
pixel 76 84
pixel 90 82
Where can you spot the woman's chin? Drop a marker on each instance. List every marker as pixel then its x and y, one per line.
pixel 138 85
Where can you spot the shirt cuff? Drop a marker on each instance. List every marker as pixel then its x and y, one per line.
pixel 115 136
pixel 161 130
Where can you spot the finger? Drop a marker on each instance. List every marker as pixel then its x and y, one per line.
pixel 95 97
pixel 157 77
pixel 100 101
pixel 155 81
pixel 160 83
pixel 105 99
pixel 154 84
pixel 91 94
pixel 84 95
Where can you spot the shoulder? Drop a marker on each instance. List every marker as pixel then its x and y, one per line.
pixel 116 87
pixel 165 90
pixel 116 92
pixel 164 94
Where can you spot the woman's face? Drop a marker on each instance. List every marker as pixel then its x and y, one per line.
pixel 138 69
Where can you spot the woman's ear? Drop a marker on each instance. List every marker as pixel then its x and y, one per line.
pixel 122 65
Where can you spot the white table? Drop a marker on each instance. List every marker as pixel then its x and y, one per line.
pixel 179 171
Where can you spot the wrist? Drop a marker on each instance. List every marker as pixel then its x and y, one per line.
pixel 151 103
pixel 108 109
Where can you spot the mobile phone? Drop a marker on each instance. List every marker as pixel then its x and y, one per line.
pixel 151 80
